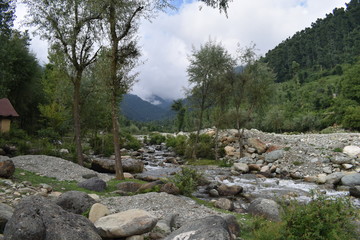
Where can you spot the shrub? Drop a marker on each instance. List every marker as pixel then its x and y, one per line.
pixel 205 147
pixel 321 219
pixel 130 142
pixel 187 180
pixel 156 138
pixel 178 144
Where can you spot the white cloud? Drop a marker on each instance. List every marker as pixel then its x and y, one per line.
pixel 167 41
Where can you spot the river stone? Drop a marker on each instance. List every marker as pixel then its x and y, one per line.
pixel 274 155
pixel 98 211
pixel 132 165
pixel 229 150
pixel 351 179
pixel 334 178
pixel 75 202
pixel 5 214
pixel 351 151
pixel 321 178
pixel 170 188
pixel 224 203
pixel 233 224
pixel 7 168
pixel 241 167
pixel 37 218
pixel 125 224
pixel 209 228
pixel 340 159
pixel 355 191
pixel 94 184
pixel 103 165
pixel 225 190
pixel 257 144
pixel 267 208
pixel 254 167
pixel 128 186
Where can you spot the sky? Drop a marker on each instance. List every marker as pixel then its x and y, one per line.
pixel 168 40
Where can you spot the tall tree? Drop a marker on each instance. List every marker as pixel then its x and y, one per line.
pixel 71 25
pixel 208 65
pixel 252 87
pixel 180 109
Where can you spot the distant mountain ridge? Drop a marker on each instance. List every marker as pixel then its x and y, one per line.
pixel 156 108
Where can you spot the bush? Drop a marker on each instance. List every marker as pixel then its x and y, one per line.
pixel 178 144
pixel 102 144
pixel 320 219
pixel 156 139
pixel 130 142
pixel 187 180
pixel 205 147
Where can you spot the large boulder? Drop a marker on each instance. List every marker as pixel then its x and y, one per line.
pixel 94 184
pixel 340 159
pixel 37 218
pixel 267 208
pixel 351 151
pixel 98 211
pixel 125 224
pixel 225 190
pixel 75 202
pixel 7 168
pixel 103 165
pixel 209 228
pixel 108 165
pixel 274 155
pixel 257 144
pixel 351 179
pixel 5 214
pixel 132 165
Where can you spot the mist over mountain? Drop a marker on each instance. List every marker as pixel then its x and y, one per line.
pixel 155 108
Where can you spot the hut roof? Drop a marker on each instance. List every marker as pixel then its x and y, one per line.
pixel 6 109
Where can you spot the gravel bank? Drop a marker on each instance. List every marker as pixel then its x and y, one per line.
pixel 55 167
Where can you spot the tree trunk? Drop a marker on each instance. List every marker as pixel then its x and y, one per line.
pixel 240 133
pixel 197 134
pixel 216 144
pixel 116 137
pixel 114 88
pixel 76 115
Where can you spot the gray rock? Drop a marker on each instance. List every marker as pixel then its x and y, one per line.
pixel 214 193
pixel 94 184
pixel 233 224
pixel 5 214
pixel 37 218
pixel 209 228
pixel 225 204
pixel 75 202
pixel 7 168
pixel 132 165
pixel 267 208
pixel 89 175
pixel 351 179
pixel 334 178
pixel 225 190
pixel 274 155
pixel 355 191
pixel 340 159
pixel 241 167
pixel 125 224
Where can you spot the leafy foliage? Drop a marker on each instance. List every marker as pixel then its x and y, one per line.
pixel 187 180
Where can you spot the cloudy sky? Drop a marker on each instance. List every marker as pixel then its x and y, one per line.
pixel 168 40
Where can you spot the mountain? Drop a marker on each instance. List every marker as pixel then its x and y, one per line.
pixel 137 109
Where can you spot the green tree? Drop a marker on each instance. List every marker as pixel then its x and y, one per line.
pixel 251 88
pixel 180 117
pixel 208 65
pixel 69 24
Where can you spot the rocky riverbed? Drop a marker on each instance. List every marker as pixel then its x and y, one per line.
pixel 274 166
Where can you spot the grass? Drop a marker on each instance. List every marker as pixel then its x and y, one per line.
pixel 21 175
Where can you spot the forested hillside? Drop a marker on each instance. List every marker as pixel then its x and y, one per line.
pixel 328 42
pixel 317 75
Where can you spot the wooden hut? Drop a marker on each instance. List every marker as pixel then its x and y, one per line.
pixel 7 113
